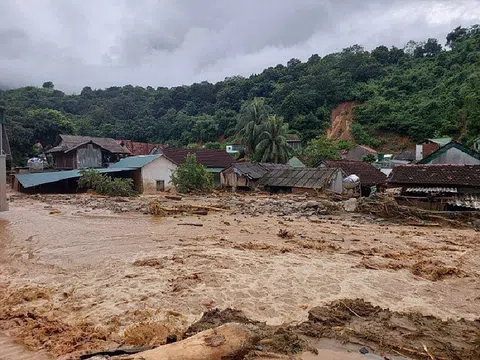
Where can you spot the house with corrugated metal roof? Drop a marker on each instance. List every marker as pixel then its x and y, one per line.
pixel 150 173
pixel 359 152
pixel 301 180
pixel 83 152
pixel 437 187
pixel 245 175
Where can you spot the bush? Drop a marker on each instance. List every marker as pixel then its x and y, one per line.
pixel 105 185
pixel 191 176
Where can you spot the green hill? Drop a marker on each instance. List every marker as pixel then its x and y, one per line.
pixel 423 90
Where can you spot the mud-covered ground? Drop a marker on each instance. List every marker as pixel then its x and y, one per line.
pixel 82 273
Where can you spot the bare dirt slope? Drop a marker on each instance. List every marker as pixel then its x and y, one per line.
pixel 340 121
pixel 105 279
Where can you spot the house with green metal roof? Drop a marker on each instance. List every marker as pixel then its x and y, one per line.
pixel 150 173
pixel 452 153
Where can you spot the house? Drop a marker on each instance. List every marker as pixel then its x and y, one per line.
pixel 369 175
pixel 81 152
pixel 152 173
pixel 429 146
pixel 358 153
pixel 245 175
pixel 297 162
pixel 437 187
pixel 214 160
pixel 140 148
pixel 294 141
pixel 452 153
pixel 407 156
pixel 303 180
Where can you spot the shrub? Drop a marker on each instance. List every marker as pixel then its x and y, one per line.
pixel 191 176
pixel 105 185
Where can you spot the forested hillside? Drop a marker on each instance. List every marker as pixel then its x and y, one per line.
pixel 423 90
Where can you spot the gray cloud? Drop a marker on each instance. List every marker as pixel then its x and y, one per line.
pixel 173 42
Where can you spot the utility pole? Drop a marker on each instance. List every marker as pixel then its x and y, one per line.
pixel 3 163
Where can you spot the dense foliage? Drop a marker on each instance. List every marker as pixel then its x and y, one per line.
pixel 105 185
pixel 420 91
pixel 192 176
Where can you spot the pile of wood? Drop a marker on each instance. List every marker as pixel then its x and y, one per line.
pixel 385 206
pixel 157 209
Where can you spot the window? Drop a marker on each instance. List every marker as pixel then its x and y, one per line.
pixel 160 185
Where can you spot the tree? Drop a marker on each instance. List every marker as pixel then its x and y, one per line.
pixel 370 158
pixel 321 148
pixel 251 123
pixel 192 176
pixel 273 147
pixel 48 85
pixel 47 124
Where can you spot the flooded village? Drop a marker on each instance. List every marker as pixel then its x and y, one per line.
pixel 279 261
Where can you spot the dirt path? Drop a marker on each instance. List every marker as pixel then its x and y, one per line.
pixel 94 268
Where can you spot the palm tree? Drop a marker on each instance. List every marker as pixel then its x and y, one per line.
pixel 251 123
pixel 273 145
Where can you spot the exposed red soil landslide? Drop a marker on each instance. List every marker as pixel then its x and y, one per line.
pixel 341 119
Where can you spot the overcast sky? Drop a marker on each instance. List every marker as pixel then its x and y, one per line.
pixel 101 43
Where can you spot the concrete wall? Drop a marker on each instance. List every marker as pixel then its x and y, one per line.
pixel 455 156
pixel 158 169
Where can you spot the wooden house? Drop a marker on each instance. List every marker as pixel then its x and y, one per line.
pixel 82 152
pixel 245 175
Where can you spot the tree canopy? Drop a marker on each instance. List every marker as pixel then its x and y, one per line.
pixel 420 91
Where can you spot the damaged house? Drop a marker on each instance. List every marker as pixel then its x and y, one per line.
pixel 83 152
pixel 369 175
pixel 245 175
pixel 301 180
pixel 437 187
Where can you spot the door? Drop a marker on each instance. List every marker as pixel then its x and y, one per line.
pixel 160 185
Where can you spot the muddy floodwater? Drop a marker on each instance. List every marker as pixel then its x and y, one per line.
pixel 107 271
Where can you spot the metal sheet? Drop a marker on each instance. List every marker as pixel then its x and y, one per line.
pixel 432 190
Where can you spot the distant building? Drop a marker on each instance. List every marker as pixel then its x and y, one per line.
pixel 452 153
pixel 438 187
pixel 358 152
pixel 140 148
pixel 429 146
pixel 234 149
pixel 294 141
pixel 296 162
pixel 81 152
pixel 245 175
pixel 303 180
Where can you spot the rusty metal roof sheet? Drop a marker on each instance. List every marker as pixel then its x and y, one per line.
pixel 302 178
pixel 436 175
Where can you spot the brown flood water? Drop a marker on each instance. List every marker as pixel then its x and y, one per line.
pixel 94 265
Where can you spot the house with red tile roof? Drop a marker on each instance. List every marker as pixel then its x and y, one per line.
pixel 358 152
pixel 438 187
pixel 140 148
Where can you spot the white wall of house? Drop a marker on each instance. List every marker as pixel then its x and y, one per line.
pixel 155 172
pixel 455 156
